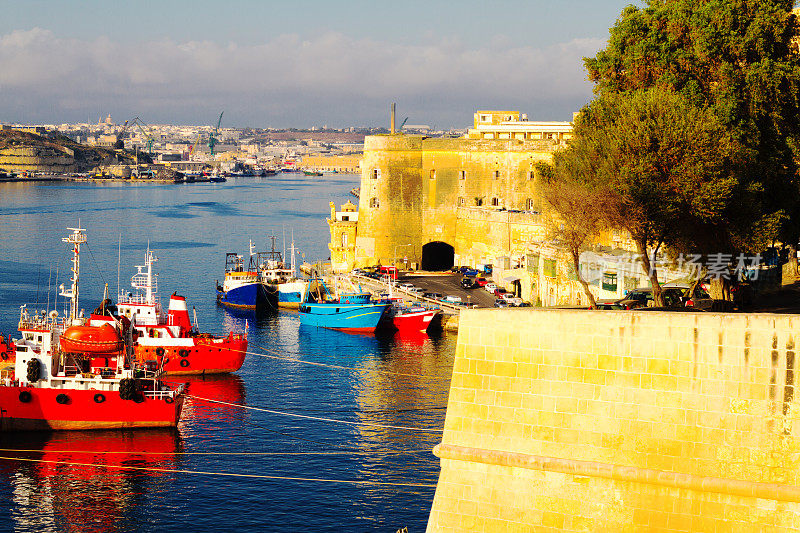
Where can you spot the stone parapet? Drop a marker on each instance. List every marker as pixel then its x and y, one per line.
pixel 621 421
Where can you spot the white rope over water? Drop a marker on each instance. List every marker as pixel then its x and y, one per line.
pixel 339 367
pixel 318 418
pixel 134 452
pixel 226 474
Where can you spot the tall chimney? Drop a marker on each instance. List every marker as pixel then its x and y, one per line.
pixel 393 104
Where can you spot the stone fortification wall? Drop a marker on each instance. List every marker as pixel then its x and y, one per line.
pixel 422 182
pixel 37 158
pixel 570 420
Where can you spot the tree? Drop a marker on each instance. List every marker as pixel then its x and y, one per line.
pixel 740 59
pixel 577 214
pixel 655 165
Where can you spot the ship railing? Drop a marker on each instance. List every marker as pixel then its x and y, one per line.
pixel 163 394
pixel 133 299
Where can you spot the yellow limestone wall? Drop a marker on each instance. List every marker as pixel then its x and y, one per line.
pixel 569 420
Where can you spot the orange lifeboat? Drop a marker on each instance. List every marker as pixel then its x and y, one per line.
pixel 91 339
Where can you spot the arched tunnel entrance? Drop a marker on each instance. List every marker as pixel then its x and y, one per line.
pixel 437 255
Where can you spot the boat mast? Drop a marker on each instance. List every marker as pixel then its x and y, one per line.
pixel 76 239
pixel 292 262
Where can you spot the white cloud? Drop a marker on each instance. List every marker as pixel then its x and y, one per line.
pixel 333 77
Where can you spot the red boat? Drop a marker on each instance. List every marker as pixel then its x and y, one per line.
pixel 170 342
pixel 88 381
pixel 409 317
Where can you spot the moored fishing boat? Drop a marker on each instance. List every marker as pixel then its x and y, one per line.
pixel 409 317
pixel 169 341
pixel 70 374
pixel 321 308
pixel 275 272
pixel 243 287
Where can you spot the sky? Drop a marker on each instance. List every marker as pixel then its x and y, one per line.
pixel 297 63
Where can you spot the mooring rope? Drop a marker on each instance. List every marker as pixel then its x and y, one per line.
pixel 348 452
pixel 318 418
pixel 226 474
pixel 339 367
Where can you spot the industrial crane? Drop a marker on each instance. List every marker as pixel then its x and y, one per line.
pixel 148 137
pixel 212 137
pixel 119 144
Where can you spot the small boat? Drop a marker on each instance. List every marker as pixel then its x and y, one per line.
pixel 70 374
pixel 269 172
pixel 321 308
pixel 409 317
pixel 243 287
pixel 312 173
pixel 274 271
pixel 170 342
pixel 217 179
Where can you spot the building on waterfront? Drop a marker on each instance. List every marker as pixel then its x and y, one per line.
pixel 433 202
pixel 348 164
pixel 342 225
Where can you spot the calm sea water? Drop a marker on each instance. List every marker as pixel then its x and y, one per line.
pixel 218 470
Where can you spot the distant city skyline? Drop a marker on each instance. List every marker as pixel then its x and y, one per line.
pixel 297 64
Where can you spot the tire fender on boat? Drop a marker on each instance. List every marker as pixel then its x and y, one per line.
pixel 4 356
pixel 168 399
pixel 184 353
pixel 184 363
pixel 25 396
pixel 99 398
pixel 159 351
pixel 62 399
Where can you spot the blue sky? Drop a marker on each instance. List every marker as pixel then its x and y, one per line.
pixel 297 63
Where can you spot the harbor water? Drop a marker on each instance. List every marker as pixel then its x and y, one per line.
pixel 358 459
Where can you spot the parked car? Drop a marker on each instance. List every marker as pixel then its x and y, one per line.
pixel 482 282
pixel 673 297
pixel 490 287
pixel 469 283
pixel 500 303
pixel 699 299
pixel 432 295
pixel 500 291
pixel 452 299
pixel 406 286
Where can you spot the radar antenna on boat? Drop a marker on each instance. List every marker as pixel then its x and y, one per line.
pixel 76 239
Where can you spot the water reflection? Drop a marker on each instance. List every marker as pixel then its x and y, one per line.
pixel 61 488
pixel 227 388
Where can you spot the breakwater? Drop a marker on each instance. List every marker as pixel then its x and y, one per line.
pixel 605 421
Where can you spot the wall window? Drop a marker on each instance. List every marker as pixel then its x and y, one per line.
pixel 530 205
pixel 463 175
pixel 344 240
pixel 373 202
pixel 495 201
pixel 376 173
pixel 433 174
pixel 549 268
pixel 460 200
pixel 531 175
pixel 478 201
pixel 497 174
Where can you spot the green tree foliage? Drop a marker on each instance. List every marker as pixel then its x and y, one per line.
pixel 662 169
pixel 577 212
pixel 738 58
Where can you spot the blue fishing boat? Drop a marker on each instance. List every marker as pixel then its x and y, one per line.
pixel 243 287
pixel 352 312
